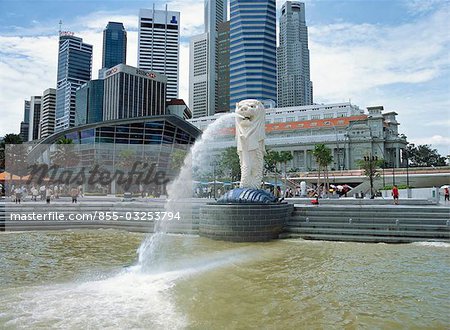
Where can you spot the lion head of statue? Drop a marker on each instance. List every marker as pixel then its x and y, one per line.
pixel 249 112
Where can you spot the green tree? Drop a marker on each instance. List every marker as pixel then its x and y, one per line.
pixel 271 160
pixel 424 155
pixel 7 139
pixel 285 157
pixel 177 160
pixel 65 154
pixel 229 163
pixel 323 157
pixel 370 165
pixel 126 160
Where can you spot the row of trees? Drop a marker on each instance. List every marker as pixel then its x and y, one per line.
pixel 229 163
pixel 424 156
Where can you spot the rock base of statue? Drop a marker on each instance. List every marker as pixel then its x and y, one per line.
pixel 244 215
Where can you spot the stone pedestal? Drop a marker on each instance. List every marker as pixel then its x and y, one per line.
pixel 243 222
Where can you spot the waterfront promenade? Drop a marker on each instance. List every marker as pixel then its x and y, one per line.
pixel 345 219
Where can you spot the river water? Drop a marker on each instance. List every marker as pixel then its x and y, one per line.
pixel 88 279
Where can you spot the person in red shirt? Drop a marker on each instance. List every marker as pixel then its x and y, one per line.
pixel 446 194
pixel 395 194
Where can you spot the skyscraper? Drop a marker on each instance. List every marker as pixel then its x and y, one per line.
pixel 223 68
pixel 199 95
pixel 25 124
pixel 35 117
pixel 252 50
pixel 89 102
pixel 203 89
pixel 294 86
pixel 114 45
pixel 74 69
pixel 47 122
pixel 215 13
pixel 158 45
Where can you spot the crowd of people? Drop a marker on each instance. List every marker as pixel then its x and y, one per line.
pixel 47 193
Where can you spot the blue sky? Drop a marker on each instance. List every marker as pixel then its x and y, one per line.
pixel 394 53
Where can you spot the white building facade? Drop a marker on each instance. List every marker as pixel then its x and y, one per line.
pixel 199 87
pixel 158 45
pixel 201 46
pixel 350 132
pixel 47 122
pixel 130 92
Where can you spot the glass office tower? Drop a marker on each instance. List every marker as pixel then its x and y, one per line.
pixel 114 45
pixel 293 69
pixel 74 69
pixel 253 73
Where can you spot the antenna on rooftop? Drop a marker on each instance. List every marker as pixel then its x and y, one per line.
pixel 60 25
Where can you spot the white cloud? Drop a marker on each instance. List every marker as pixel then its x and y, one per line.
pixel 442 143
pixel 348 58
pixel 422 6
pixel 357 61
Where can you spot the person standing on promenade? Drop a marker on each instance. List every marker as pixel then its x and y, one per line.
pixel 74 193
pixel 395 194
pixel 48 195
pixel 446 194
pixel 18 194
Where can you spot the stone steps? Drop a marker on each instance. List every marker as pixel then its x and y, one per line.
pixel 373 225
pixel 356 201
pixel 377 220
pixel 370 224
pixel 371 232
pixel 359 238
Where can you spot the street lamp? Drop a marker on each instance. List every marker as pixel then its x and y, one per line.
pixel 214 179
pixel 407 163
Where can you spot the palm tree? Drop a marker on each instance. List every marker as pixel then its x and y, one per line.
pixel 323 157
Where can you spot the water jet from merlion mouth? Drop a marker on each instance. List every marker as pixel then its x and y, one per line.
pixel 179 193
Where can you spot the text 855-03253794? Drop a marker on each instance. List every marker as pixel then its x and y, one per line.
pixel 139 216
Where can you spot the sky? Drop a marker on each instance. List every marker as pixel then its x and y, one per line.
pixel 394 53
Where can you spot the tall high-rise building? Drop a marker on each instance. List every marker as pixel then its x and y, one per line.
pixel 204 88
pixel 89 102
pixel 294 86
pixel 114 45
pixel 158 45
pixel 25 124
pixel 131 92
pixel 47 122
pixel 74 69
pixel 253 73
pixel 215 13
pixel 35 117
pixel 223 68
pixel 199 95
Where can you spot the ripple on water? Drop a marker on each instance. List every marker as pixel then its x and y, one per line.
pixel 78 280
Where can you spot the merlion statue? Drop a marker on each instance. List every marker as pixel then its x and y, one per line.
pixel 250 135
